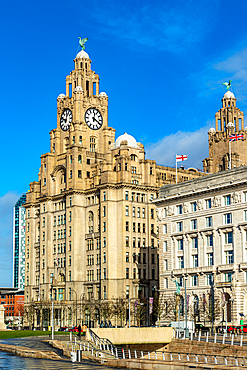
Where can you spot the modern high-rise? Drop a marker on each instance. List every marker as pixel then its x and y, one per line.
pixel 19 243
pixel 91 230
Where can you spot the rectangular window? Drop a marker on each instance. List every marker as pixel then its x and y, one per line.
pixel 209 240
pixel 143 212
pixel 134 211
pixel 152 243
pixel 228 238
pixel 134 227
pixel 181 262
pixel 180 245
pixel 104 226
pixel 144 258
pixel 179 226
pixel 139 227
pixel 210 279
pixel 210 259
pixel 228 277
pixel 194 280
pixel 193 224
pixel 245 215
pixel 104 195
pixel 104 273
pixel 193 207
pixel 165 265
pixel 152 213
pixel 209 221
pixel 165 246
pixel 127 226
pixel 229 257
pixel 127 273
pixel 179 209
pixel 228 218
pixel 126 210
pixel 134 242
pixel 126 195
pixel 144 243
pixel 195 260
pixel 194 242
pixel 208 203
pixel 138 212
pixel 144 228
pixel 165 229
pixel 127 256
pixel 227 200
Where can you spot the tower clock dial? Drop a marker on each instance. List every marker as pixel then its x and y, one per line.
pixel 93 118
pixel 66 119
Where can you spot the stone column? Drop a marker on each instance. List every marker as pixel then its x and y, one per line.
pixel 2 324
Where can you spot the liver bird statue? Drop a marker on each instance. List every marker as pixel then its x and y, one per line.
pixel 227 84
pixel 82 42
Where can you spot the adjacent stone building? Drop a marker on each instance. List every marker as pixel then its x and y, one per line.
pixel 91 229
pixel 203 239
pixel 19 224
pixel 228 120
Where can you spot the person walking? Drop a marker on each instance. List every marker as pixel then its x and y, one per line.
pixel 79 331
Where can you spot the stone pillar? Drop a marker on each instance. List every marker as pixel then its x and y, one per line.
pixel 2 324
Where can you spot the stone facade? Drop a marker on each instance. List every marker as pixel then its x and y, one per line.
pixel 91 230
pixel 203 238
pixel 228 120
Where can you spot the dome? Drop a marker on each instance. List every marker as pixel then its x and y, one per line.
pixel 230 124
pixel 125 137
pixel 245 128
pixel 82 54
pixel 212 129
pixel 78 88
pixel 229 95
pixel 103 94
pixel 61 96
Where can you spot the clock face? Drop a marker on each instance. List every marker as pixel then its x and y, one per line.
pixel 93 118
pixel 66 119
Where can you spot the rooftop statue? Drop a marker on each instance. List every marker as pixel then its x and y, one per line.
pixel 82 42
pixel 227 84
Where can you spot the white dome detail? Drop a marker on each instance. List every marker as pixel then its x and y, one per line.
pixel 245 128
pixel 61 96
pixel 82 54
pixel 125 137
pixel 212 129
pixel 78 88
pixel 229 95
pixel 230 124
pixel 103 94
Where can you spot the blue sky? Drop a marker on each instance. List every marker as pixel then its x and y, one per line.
pixel 162 64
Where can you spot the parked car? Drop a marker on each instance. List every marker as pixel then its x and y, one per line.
pixel 63 328
pixel 74 329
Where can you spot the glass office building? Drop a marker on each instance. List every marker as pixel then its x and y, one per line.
pixel 19 243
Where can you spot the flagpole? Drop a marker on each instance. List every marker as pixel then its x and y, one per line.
pixel 230 156
pixel 176 170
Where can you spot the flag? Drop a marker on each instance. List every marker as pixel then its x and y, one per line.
pixel 181 157
pixel 236 137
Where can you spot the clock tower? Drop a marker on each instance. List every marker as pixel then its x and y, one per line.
pixel 91 227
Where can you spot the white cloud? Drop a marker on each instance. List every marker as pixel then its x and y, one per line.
pixel 172 26
pixel 7 203
pixel 194 143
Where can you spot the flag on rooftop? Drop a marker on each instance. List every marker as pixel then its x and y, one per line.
pixel 236 137
pixel 181 157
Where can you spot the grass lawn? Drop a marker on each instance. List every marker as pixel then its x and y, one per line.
pixel 27 333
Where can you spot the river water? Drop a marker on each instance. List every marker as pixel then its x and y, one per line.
pixel 9 361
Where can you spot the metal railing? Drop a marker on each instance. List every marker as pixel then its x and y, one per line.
pixel 103 343
pixel 229 338
pixel 77 347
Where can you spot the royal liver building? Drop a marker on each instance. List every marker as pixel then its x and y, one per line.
pixel 91 229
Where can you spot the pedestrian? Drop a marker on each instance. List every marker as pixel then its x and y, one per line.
pixel 79 331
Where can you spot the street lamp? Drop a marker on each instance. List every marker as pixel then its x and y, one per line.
pixel 52 318
pixel 82 297
pixel 185 293
pixel 75 305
